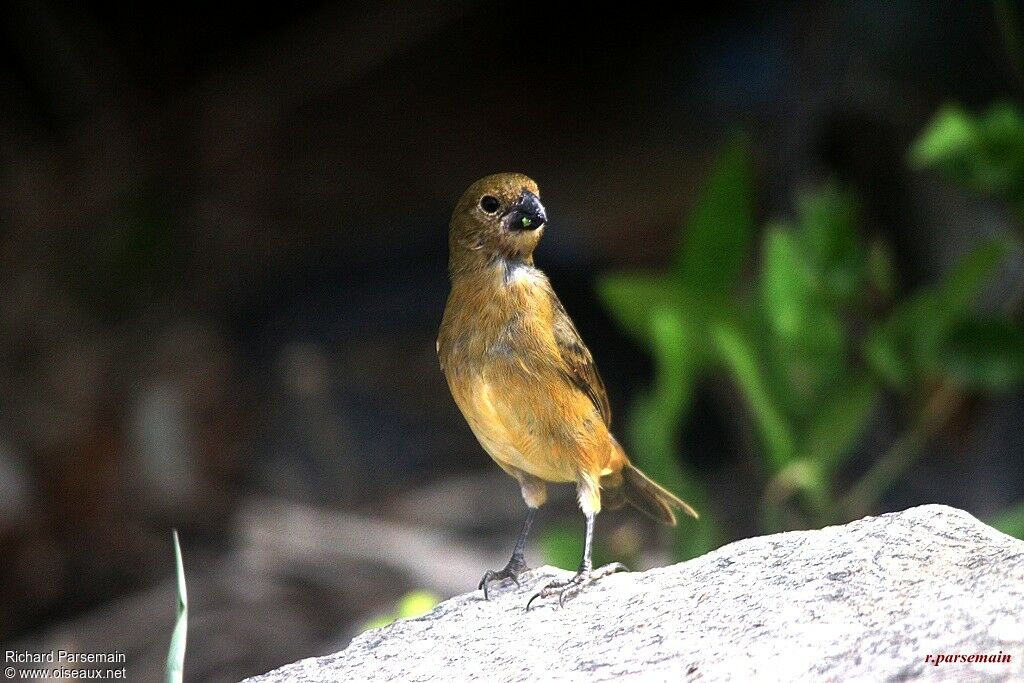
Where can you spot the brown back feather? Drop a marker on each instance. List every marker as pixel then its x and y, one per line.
pixel 580 367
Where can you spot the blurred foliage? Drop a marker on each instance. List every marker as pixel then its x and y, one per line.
pixel 176 651
pixel 413 604
pixel 561 545
pixel 934 334
pixel 983 153
pixel 818 334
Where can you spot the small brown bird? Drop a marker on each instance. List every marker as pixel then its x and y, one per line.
pixel 522 376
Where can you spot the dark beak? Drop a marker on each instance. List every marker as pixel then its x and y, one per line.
pixel 526 212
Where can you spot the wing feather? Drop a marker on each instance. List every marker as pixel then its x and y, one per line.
pixel 579 364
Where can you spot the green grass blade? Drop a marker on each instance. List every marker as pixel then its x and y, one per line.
pixel 176 652
pixel 740 358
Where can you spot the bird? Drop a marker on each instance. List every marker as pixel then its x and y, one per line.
pixel 524 380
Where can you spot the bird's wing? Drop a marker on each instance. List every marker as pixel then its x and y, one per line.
pixel 579 364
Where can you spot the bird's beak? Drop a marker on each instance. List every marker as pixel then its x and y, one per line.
pixel 526 212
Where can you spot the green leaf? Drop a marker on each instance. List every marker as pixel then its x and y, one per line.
pixel 973 272
pixel 885 354
pixel 984 153
pixel 952 135
pixel 673 383
pixel 634 299
pixel 908 344
pixel 630 298
pixel 176 651
pixel 416 604
pixel 903 348
pixel 830 242
pixel 1010 521
pixel 661 411
pixel 739 356
pixel 838 422
pixel 654 423
pixel 985 353
pixel 413 604
pixel 718 232
pixel 787 284
pixel 805 347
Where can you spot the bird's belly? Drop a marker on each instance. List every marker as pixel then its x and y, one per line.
pixel 521 429
pixel 510 457
pixel 543 467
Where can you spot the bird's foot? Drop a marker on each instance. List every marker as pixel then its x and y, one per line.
pixel 566 590
pixel 512 570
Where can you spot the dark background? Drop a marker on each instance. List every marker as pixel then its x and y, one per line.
pixel 223 265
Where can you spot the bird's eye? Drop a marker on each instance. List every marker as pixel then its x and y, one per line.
pixel 490 204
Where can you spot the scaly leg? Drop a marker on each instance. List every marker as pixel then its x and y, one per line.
pixel 586 573
pixel 516 564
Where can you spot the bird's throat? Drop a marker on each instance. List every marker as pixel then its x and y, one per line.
pixel 518 270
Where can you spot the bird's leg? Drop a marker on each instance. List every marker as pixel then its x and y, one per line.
pixel 516 564
pixel 586 573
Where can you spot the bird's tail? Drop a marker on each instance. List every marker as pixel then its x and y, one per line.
pixel 636 488
pixel 651 498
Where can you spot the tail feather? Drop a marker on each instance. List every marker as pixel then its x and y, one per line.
pixel 652 499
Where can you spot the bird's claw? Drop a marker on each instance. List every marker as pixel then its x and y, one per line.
pixel 511 571
pixel 566 590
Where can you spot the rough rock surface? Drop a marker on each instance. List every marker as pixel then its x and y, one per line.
pixel 868 601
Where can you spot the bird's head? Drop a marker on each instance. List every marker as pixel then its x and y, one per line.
pixel 498 217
